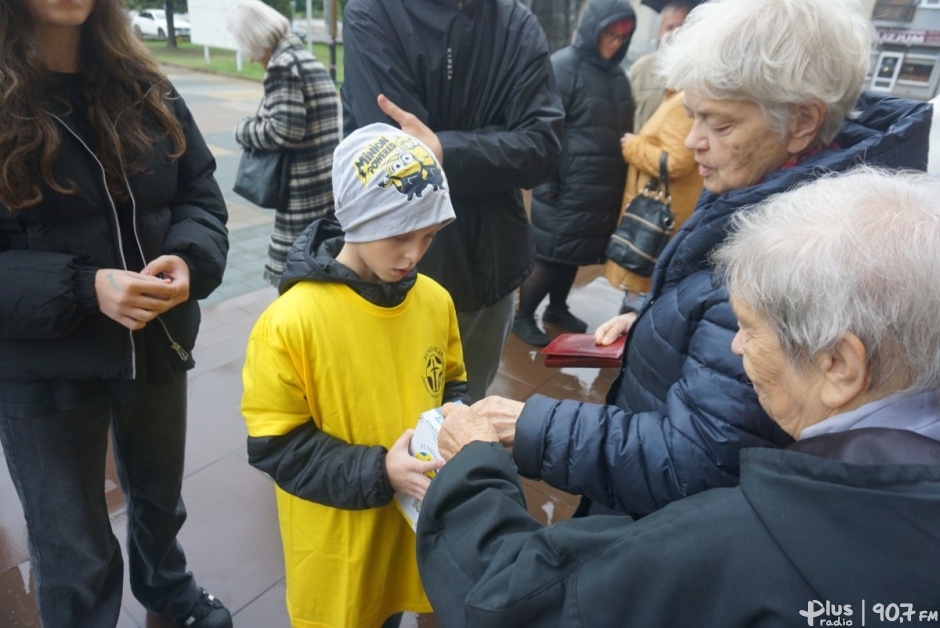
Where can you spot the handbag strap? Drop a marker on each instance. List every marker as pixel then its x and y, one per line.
pixel 664 174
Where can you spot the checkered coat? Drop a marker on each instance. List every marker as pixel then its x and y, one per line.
pixel 299 113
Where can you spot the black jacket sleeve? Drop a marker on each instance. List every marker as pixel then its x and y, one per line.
pixel 457 392
pixel 197 228
pixel 313 465
pixel 508 137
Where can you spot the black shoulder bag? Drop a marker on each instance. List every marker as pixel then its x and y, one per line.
pixel 645 227
pixel 263 176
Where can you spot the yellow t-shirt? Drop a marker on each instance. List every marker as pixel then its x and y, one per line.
pixel 364 373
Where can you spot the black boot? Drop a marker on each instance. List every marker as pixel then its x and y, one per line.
pixel 563 318
pixel 526 328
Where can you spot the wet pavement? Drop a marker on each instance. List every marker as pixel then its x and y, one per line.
pixel 231 536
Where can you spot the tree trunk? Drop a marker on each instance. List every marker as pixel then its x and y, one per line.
pixel 170 28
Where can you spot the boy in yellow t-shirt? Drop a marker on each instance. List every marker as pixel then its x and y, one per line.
pixel 339 368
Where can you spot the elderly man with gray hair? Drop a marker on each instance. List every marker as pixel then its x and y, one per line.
pixel 835 287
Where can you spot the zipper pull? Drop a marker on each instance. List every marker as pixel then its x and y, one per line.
pixel 180 351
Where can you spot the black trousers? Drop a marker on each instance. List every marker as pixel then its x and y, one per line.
pixel 57 463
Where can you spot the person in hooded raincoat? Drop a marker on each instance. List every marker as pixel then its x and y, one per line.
pixel 574 213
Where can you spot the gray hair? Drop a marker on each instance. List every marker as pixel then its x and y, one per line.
pixel 257 28
pixel 859 253
pixel 776 53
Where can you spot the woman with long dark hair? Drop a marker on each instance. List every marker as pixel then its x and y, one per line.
pixel 111 226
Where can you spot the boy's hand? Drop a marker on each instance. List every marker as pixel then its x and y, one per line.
pixel 406 473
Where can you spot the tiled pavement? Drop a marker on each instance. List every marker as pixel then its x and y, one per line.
pixel 231 536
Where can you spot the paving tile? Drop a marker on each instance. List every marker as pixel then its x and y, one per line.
pixel 215 427
pixel 230 537
pixel 14 548
pixel 16 592
pixel 267 610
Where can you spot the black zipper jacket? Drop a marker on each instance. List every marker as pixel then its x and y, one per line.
pixel 477 72
pixel 50 324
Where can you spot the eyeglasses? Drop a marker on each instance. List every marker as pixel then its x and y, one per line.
pixel 612 35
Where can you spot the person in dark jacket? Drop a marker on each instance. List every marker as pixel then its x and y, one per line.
pixel 769 112
pixel 111 227
pixel 299 113
pixel 473 81
pixel 574 213
pixel 834 285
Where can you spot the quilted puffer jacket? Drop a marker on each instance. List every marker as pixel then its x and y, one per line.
pixel 50 325
pixel 682 408
pixel 574 213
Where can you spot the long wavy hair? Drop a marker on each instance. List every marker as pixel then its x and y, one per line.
pixel 121 83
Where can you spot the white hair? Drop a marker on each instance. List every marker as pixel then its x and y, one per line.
pixel 857 252
pixel 776 53
pixel 257 28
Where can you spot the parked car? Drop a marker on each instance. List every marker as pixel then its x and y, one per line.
pixel 151 24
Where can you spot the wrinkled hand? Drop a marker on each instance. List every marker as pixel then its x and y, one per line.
pixel 614 328
pixel 462 426
pixel 411 125
pixel 406 473
pixel 503 414
pixel 132 299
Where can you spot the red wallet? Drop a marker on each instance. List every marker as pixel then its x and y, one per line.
pixel 580 350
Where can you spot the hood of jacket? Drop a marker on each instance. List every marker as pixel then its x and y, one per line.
pixel 313 258
pixel 598 15
pixel 805 501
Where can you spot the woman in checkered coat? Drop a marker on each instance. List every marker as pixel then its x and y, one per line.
pixel 299 113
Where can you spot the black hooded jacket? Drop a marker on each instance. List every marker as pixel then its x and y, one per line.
pixel 307 462
pixel 828 529
pixel 574 213
pixel 477 72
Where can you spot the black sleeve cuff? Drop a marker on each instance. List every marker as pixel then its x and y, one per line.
pixel 85 295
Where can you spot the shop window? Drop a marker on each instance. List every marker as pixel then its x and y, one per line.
pixel 916 69
pixel 873 64
pixel 895 10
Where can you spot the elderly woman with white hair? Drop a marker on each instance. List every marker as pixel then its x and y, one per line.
pixel 773 89
pixel 835 286
pixel 299 113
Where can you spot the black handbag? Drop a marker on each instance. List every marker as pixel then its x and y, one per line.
pixel 263 177
pixel 646 226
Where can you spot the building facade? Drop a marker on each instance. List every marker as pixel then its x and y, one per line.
pixel 906 59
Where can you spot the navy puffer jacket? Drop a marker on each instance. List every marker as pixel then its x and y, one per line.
pixel 682 407
pixel 574 213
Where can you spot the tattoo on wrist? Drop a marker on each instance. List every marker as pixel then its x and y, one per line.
pixel 112 282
